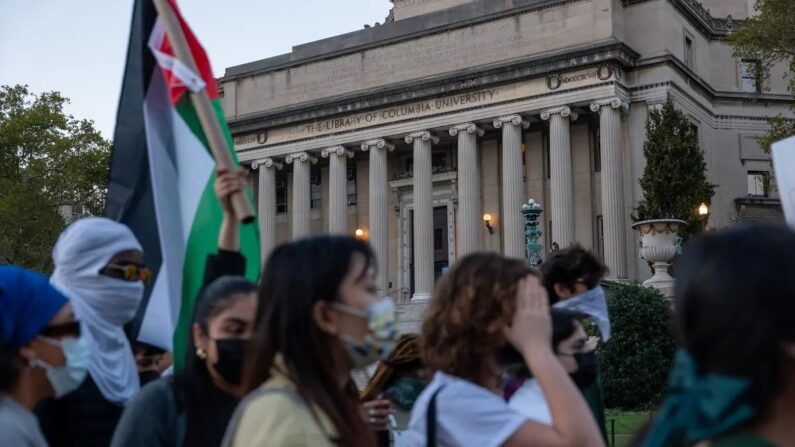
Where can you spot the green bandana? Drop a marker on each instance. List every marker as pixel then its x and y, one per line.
pixel 698 407
pixel 404 391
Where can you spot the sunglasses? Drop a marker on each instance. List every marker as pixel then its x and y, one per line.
pixel 131 272
pixel 71 329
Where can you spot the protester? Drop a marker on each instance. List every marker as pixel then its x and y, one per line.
pixel 733 379
pixel 151 361
pixel 571 277
pixel 318 317
pixel 99 267
pixel 576 353
pixel 193 407
pixel 397 382
pixel 41 353
pixel 486 302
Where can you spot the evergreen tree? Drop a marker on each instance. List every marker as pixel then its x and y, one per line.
pixel 674 182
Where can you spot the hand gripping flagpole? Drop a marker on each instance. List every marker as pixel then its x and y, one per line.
pixel 204 109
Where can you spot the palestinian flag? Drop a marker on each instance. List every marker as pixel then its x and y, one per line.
pixel 161 178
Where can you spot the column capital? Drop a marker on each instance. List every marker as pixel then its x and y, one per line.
pixel 614 102
pixel 466 127
pixel 266 162
pixel 378 143
pixel 563 111
pixel 300 156
pixel 338 150
pixel 515 120
pixel 423 135
pixel 655 104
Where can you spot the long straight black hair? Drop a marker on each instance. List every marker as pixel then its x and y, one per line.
pixel 296 277
pixel 207 408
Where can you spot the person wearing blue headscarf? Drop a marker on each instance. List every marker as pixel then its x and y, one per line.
pixel 99 268
pixel 41 354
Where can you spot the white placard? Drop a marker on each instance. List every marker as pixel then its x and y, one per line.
pixel 784 165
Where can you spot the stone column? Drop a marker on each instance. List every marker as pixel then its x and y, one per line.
pixel 338 197
pixel 266 208
pixel 423 214
pixel 512 184
pixel 613 211
pixel 301 162
pixel 379 215
pixel 561 178
pixel 468 186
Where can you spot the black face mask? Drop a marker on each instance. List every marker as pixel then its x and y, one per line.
pixel 148 376
pixel 230 359
pixel 587 369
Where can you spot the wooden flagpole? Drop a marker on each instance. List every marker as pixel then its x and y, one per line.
pixel 203 105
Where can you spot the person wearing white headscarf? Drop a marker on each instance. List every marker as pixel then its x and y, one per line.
pixel 90 258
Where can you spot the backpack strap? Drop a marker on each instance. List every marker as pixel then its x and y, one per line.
pixel 430 420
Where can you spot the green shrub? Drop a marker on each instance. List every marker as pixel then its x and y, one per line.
pixel 636 361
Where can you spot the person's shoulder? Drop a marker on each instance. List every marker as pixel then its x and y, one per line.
pixel 155 395
pixel 273 400
pixel 18 426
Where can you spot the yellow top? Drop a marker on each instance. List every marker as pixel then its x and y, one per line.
pixel 276 416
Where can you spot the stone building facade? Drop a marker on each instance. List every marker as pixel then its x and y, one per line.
pixel 409 132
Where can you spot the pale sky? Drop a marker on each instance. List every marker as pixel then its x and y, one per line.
pixel 79 47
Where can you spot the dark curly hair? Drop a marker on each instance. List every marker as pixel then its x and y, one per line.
pixel 470 307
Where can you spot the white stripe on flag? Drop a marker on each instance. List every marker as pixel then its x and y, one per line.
pixel 180 168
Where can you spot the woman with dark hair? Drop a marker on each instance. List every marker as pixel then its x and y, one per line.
pixel 733 380
pixel 484 304
pixel 193 407
pixel 319 317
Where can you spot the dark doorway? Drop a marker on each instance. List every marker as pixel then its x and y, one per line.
pixel 441 259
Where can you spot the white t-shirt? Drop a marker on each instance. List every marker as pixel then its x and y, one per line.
pixel 529 400
pixel 466 415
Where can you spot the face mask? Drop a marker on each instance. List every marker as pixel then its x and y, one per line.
pixel 381 342
pixel 67 378
pixel 404 392
pixel 587 369
pixel 231 352
pixel 148 376
pixel 593 304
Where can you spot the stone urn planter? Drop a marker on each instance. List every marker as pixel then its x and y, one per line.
pixel 659 243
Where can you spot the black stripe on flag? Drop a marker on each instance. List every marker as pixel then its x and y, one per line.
pixel 130 200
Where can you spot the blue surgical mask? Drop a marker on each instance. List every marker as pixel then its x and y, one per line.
pixel 67 378
pixel 594 305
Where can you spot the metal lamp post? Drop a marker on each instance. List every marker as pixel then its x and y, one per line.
pixel 531 212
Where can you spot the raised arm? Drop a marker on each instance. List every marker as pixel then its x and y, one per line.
pixel 530 333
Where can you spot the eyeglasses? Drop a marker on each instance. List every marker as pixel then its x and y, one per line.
pixel 131 272
pixel 71 329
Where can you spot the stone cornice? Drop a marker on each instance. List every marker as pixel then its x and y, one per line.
pixel 338 151
pixel 423 135
pixel 608 53
pixel 712 27
pixel 378 143
pixel 466 127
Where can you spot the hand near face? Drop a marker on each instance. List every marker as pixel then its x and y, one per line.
pixel 532 325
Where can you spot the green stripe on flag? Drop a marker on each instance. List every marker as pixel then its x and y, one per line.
pixel 203 238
